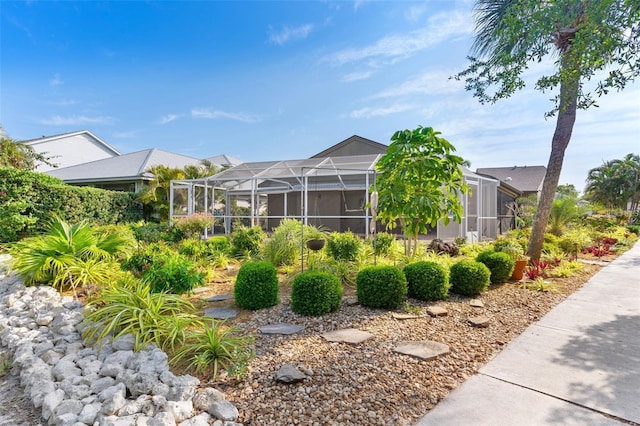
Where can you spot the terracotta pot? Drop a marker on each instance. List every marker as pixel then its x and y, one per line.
pixel 518 269
pixel 315 245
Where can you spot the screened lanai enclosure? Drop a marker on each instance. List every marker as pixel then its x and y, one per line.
pixel 330 192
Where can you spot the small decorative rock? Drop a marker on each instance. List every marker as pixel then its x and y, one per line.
pixel 350 301
pixel 347 335
pixel 481 321
pixel 425 349
pixel 280 328
pixel 220 313
pixel 289 374
pixel 219 298
pixel 437 311
pixel 477 303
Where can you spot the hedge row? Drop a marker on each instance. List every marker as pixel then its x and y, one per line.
pixel 29 199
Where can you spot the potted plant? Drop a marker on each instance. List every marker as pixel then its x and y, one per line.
pixel 315 237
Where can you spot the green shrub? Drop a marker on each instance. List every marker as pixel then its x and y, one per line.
pixel 469 278
pixel 315 293
pixel 256 286
pixel 164 270
pixel 427 281
pixel 381 287
pixel 29 200
pixel 284 245
pixel 151 232
pixel 382 243
pixel 194 248
pixel 194 225
pixel 343 245
pixel 218 243
pixel 246 240
pixel 500 264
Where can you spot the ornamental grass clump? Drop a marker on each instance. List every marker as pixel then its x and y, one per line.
pixel 381 287
pixel 500 264
pixel 256 286
pixel 427 281
pixel 469 278
pixel 315 293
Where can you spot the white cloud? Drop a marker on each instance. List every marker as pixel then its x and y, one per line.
pixel 414 13
pixel 289 33
pixel 429 83
pixel 56 80
pixel 440 27
pixel 369 112
pixel 215 114
pixel 169 118
pixel 355 76
pixel 73 120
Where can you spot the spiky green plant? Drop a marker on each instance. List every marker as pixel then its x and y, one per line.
pixel 215 346
pixel 68 255
pixel 130 306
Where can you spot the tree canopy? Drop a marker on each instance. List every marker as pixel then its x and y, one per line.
pixel 615 184
pixel 419 182
pixel 594 46
pixel 18 155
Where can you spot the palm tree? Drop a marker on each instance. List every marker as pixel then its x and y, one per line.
pixel 615 184
pixel 157 193
pixel 18 155
pixel 586 36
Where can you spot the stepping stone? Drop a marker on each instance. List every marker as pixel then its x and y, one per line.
pixel 481 321
pixel 218 298
pixel 477 303
pixel 280 328
pixel 424 349
pixel 289 374
pixel 220 313
pixel 347 335
pixel 403 316
pixel 350 301
pixel 437 311
pixel 199 290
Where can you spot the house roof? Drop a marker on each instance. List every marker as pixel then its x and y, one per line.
pixel 224 160
pixel 44 139
pixel 354 145
pixel 523 178
pixel 131 166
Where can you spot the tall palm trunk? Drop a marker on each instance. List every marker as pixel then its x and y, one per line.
pixel 564 126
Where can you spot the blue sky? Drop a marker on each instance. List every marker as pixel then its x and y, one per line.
pixel 277 80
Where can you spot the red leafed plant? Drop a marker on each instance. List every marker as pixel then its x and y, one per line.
pixel 537 269
pixel 598 251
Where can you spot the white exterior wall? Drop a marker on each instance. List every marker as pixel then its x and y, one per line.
pixel 71 150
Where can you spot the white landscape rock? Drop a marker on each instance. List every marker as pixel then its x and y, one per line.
pixel 112 385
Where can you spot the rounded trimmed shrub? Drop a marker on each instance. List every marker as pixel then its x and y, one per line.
pixel 500 264
pixel 469 277
pixel 315 293
pixel 381 287
pixel 427 281
pixel 256 286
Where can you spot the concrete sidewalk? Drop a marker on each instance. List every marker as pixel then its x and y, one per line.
pixel 579 365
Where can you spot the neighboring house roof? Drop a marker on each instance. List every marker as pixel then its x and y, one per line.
pixel 131 166
pixel 69 149
pixel 524 178
pixel 224 160
pixel 354 145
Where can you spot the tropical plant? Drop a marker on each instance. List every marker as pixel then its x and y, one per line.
pixel 540 284
pixel 563 212
pixel 343 245
pixel 427 281
pixel 129 306
pixel 381 287
pixel 616 184
pixel 419 183
pixel 285 244
pixel 215 346
pixel 69 255
pixel 590 38
pixel 315 293
pixel 246 240
pixel 151 232
pixel 194 225
pixel 256 286
pixel 156 193
pixel 19 155
pixel 469 278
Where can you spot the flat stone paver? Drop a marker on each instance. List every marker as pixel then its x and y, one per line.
pixel 423 349
pixel 199 290
pixel 219 298
pixel 350 301
pixel 481 321
pixel 280 328
pixel 477 303
pixel 289 374
pixel 347 335
pixel 220 313
pixel 437 311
